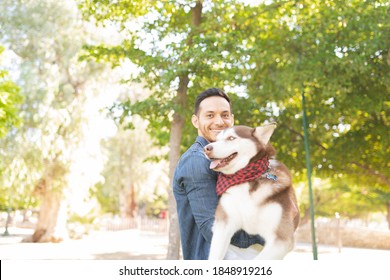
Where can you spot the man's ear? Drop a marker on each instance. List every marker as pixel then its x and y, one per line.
pixel 264 133
pixel 195 121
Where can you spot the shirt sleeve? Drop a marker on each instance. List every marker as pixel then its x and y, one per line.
pixel 199 183
pixel 242 239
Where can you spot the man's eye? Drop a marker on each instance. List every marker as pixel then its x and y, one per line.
pixel 209 116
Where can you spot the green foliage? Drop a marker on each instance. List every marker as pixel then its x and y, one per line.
pixel 167 47
pixel 10 99
pixel 108 201
pixel 349 200
pixel 84 219
pixel 104 10
pixel 340 64
pixel 155 207
pixel 126 169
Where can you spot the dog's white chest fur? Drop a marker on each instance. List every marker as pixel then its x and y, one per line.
pixel 242 207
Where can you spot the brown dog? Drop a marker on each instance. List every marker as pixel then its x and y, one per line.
pixel 256 192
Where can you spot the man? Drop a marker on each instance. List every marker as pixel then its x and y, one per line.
pixel 194 182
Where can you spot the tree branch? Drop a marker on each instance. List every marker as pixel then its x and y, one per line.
pixel 383 178
pixel 302 136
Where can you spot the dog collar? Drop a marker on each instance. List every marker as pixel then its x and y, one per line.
pixel 249 173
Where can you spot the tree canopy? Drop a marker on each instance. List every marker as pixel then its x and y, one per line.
pixel 266 55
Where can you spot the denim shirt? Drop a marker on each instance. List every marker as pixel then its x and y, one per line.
pixel 194 190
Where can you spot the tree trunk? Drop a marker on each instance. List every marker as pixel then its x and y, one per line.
pixel 388 214
pixel 174 155
pixel 127 202
pixel 174 143
pixel 306 217
pixel 174 237
pixel 51 225
pixel 132 203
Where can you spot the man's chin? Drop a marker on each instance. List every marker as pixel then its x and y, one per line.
pixel 216 132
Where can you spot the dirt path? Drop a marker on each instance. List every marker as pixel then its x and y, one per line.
pixel 127 244
pixel 141 245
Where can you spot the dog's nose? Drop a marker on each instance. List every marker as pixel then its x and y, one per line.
pixel 208 148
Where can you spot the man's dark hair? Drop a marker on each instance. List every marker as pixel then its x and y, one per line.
pixel 208 93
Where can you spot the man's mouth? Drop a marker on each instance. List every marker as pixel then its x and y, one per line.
pixel 217 163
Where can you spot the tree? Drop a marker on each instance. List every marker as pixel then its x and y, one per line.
pixel 56 87
pixel 130 176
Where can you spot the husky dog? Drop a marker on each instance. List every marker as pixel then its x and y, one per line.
pixel 256 192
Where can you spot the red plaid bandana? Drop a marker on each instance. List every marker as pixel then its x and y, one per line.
pixel 249 173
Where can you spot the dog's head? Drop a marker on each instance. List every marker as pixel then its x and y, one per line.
pixel 236 146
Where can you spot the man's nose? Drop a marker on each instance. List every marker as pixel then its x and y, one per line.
pixel 219 120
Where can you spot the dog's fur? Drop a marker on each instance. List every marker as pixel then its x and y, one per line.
pixel 264 206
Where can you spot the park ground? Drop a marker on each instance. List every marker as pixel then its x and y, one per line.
pixel 135 244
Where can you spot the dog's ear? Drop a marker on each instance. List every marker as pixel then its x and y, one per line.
pixel 264 133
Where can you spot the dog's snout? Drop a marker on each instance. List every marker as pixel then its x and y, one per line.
pixel 208 148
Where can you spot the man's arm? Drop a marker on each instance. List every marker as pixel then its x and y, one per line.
pixel 200 188
pixel 242 239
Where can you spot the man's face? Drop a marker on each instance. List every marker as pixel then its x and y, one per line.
pixel 214 116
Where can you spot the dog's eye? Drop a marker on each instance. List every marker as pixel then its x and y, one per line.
pixel 231 138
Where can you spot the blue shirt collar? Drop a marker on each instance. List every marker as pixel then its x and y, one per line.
pixel 202 141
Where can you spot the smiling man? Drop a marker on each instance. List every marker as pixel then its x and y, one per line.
pixel 212 114
pixel 194 182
